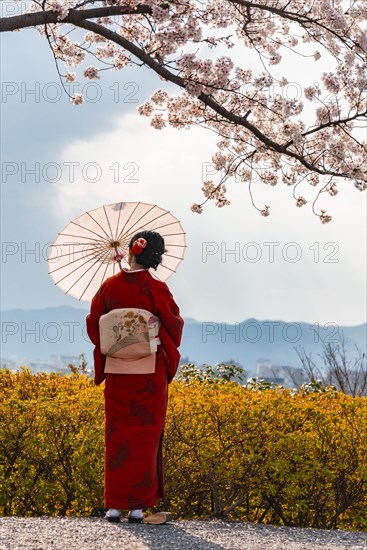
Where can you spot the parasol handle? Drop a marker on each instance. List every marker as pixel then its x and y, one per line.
pixel 118 257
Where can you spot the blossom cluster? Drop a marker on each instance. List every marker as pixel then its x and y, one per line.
pixel 60 8
pixel 217 192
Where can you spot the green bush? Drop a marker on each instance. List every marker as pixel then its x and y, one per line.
pixel 274 456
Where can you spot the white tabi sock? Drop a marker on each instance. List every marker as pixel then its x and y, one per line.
pixel 113 513
pixel 136 513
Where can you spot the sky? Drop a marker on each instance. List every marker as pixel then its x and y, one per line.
pixel 238 264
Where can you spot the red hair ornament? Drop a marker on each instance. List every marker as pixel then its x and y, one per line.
pixel 138 246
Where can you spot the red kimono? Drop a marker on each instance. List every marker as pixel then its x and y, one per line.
pixel 135 404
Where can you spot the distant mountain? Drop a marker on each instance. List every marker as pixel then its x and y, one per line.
pixel 253 340
pixel 36 335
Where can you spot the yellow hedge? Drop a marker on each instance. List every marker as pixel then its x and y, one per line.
pixel 263 456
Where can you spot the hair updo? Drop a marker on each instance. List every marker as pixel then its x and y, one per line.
pixel 151 255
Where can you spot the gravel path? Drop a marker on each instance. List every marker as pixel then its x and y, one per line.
pixel 97 534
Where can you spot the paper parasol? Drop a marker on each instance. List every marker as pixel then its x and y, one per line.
pixel 94 246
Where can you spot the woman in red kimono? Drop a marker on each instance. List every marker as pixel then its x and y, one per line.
pixel 135 404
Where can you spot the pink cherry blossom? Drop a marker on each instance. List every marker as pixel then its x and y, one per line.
pixel 91 73
pixel 300 201
pixel 77 99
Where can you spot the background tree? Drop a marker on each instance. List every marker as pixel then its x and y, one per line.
pixel 347 374
pixel 261 134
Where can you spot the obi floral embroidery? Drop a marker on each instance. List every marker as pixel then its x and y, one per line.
pixel 129 333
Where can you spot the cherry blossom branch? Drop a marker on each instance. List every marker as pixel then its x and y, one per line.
pixel 302 19
pixel 204 98
pixel 153 33
pixel 55 60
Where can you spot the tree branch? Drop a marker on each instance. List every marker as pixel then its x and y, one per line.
pixel 74 16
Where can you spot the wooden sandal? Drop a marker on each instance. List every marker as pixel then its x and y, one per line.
pixel 159 518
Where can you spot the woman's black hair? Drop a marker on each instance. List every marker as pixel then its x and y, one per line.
pixel 151 256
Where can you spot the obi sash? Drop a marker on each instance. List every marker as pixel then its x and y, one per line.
pixel 129 339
